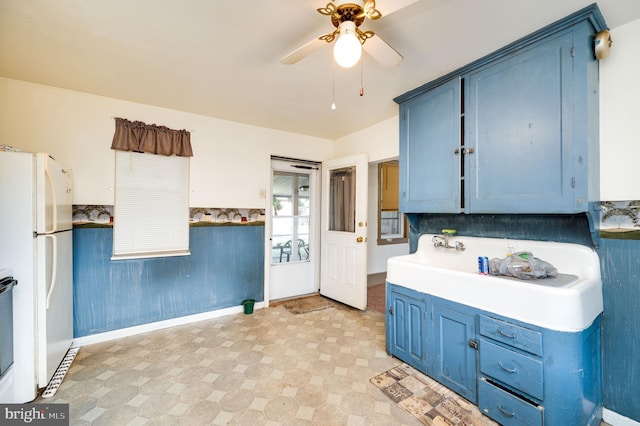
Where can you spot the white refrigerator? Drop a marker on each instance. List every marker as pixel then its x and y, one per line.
pixel 36 243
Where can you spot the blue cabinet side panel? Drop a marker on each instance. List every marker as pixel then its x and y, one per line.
pixel 226 266
pixel 620 267
pixel 565 391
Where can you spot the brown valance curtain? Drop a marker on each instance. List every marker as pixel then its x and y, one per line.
pixel 140 137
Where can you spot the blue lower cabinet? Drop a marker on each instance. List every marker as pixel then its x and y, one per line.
pixel 517 373
pixel 407 326
pixel 452 349
pixel 531 376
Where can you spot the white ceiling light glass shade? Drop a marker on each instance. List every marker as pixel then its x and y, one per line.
pixel 347 50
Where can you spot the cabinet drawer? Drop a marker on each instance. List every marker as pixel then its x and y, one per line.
pixel 511 334
pixel 512 368
pixel 505 408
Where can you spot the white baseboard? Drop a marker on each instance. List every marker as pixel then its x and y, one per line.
pixel 616 419
pixel 159 325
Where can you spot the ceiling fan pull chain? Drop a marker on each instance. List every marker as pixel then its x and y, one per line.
pixel 361 85
pixel 333 85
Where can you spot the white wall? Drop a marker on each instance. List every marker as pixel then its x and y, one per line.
pixel 380 141
pixel 230 163
pixel 619 115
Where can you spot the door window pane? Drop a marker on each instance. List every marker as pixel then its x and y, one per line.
pixel 290 212
pixel 342 199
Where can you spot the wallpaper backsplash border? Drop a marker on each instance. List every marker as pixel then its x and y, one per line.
pixel 618 219
pixel 103 214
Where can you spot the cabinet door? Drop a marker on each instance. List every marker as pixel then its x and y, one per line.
pixel 429 135
pixel 452 361
pixel 406 328
pixel 520 126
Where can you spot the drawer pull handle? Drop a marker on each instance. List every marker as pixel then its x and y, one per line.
pixel 505 412
pixel 510 336
pixel 508 370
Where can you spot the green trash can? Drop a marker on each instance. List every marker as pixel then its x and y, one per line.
pixel 248 306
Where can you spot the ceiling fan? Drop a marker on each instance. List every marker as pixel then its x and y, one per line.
pixel 346 17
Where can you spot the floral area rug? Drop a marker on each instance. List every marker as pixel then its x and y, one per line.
pixel 427 400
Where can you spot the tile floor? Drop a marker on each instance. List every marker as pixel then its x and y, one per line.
pixel 271 367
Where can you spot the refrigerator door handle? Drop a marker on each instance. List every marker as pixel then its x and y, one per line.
pixel 54 265
pixel 54 227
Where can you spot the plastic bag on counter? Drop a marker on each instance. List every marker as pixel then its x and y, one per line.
pixel 522 265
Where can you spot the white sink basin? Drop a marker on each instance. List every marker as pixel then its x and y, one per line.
pixel 570 304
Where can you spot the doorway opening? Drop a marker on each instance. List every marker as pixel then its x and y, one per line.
pixel 294 230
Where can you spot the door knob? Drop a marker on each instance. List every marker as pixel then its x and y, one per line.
pixel 359 239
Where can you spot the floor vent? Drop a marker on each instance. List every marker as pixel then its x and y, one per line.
pixel 58 376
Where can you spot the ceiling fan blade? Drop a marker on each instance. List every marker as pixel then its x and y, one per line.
pixel 303 51
pixel 382 52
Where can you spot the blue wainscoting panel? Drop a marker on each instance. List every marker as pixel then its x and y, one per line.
pixel 620 267
pixel 226 266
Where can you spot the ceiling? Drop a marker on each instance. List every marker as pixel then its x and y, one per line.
pixel 221 58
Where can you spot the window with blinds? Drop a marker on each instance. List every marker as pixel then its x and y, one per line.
pixel 151 211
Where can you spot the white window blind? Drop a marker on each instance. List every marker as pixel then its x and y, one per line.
pixel 151 212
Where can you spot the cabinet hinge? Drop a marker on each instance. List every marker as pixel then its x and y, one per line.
pixel 572 52
pixel 573 182
pixel 390 310
pixel 473 344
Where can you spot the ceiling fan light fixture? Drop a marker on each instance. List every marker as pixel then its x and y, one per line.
pixel 348 49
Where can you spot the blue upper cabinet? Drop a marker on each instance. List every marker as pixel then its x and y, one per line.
pixel 514 132
pixel 429 135
pixel 519 125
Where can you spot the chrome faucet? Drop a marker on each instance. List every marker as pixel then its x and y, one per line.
pixel 443 240
pixel 439 241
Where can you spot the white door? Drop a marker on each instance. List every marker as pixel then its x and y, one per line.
pixel 343 275
pixel 294 226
